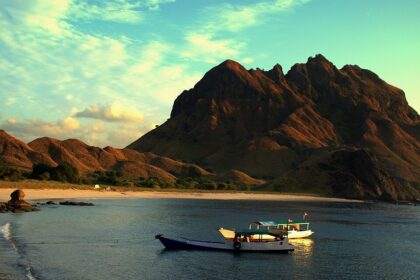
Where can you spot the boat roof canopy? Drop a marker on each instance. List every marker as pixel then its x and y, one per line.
pixel 276 223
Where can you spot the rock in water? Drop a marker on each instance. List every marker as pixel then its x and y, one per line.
pixel 76 203
pixel 3 207
pixel 17 195
pixel 18 204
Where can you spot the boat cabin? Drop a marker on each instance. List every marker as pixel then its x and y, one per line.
pixel 289 225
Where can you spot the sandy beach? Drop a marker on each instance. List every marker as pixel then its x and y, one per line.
pixel 51 194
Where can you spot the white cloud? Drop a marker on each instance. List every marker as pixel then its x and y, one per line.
pixel 111 113
pixel 53 67
pixel 73 66
pixel 9 101
pixel 234 17
pixel 97 133
pixel 211 43
pixel 54 16
pixel 11 121
pixel 70 123
pixel 37 127
pixel 155 4
pixel 151 56
pixel 117 11
pixel 171 82
pixel 124 11
pixel 40 14
pixel 204 47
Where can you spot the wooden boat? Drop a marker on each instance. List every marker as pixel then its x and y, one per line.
pixel 243 241
pixel 295 229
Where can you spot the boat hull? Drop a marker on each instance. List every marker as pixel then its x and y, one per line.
pixel 187 244
pixel 292 234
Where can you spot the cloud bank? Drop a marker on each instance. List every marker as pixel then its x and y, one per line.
pixel 70 69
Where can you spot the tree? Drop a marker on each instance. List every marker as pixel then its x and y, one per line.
pixel 194 171
pixel 41 172
pixel 65 172
pixel 9 173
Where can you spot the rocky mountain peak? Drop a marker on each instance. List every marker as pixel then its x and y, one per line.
pixel 266 124
pixel 319 59
pixel 226 73
pixel 276 74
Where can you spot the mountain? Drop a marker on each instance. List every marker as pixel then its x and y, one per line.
pixel 16 153
pixel 354 134
pixel 87 158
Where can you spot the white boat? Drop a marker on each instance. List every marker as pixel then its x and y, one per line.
pixel 295 229
pixel 243 241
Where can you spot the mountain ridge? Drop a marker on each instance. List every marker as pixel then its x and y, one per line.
pixel 88 159
pixel 265 123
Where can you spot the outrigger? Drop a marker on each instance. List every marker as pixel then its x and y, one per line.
pixel 247 240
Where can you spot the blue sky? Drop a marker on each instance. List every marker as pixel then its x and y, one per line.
pixel 107 72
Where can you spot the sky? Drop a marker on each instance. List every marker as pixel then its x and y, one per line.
pixel 106 72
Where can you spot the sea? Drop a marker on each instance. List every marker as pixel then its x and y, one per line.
pixel 115 239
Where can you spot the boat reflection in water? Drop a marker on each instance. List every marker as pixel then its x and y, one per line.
pixel 302 245
pixel 304 251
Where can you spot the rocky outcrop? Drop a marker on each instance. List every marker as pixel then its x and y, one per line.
pixel 3 207
pixel 76 203
pixel 17 203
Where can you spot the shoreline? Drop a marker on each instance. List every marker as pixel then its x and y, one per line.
pixel 51 190
pixel 57 194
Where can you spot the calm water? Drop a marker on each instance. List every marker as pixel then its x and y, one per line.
pixel 115 240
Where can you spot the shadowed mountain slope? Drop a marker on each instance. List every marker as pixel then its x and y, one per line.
pixel 268 124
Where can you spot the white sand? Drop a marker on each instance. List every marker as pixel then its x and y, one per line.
pixel 51 194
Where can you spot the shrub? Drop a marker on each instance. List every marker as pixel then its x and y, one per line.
pixel 41 171
pixel 193 171
pixel 208 186
pixel 153 182
pixel 64 172
pixel 10 174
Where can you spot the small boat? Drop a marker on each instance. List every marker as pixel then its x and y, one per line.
pixel 295 229
pixel 243 241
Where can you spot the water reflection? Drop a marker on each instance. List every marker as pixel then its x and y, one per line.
pixel 303 245
pixel 302 256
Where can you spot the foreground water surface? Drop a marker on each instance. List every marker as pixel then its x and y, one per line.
pixel 115 240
